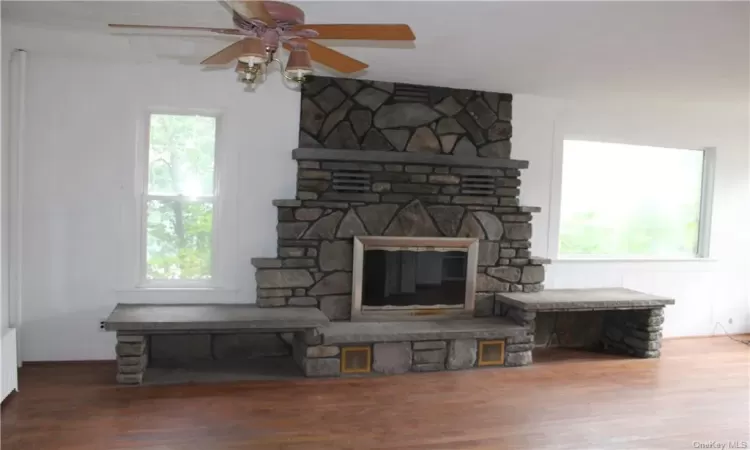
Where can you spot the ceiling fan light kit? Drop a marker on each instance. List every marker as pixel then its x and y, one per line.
pixel 253 51
pixel 267 25
pixel 298 66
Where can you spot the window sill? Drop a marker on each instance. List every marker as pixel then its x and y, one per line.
pixel 633 260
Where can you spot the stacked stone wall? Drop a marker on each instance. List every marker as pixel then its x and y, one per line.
pixel 313 264
pixel 637 332
pixel 132 358
pixel 342 113
pixel 407 161
pixel 391 358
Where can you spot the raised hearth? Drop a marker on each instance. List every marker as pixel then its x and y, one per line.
pixel 413 346
pixel 432 330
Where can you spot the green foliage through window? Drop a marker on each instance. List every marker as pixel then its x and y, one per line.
pixel 179 206
pixel 630 201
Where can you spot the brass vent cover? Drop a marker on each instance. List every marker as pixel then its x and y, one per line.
pixel 356 359
pixel 491 353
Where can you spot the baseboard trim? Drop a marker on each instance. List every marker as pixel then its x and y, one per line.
pixel 75 361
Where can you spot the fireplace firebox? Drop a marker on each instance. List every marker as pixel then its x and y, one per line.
pixel 413 277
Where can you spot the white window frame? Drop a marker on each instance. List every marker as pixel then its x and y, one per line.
pixel 703 252
pixel 144 197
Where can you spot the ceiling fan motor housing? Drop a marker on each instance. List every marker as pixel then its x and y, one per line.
pixel 285 15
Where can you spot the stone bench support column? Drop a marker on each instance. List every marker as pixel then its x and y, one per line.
pixel 518 349
pixel 314 359
pixel 132 358
pixel 635 332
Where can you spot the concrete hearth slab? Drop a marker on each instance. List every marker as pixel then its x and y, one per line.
pixel 420 330
pixel 583 299
pixel 156 318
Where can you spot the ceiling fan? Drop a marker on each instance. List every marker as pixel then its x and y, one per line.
pixel 266 25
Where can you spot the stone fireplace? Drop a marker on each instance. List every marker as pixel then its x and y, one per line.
pixel 406 211
pixel 405 249
pixel 413 277
pixel 400 161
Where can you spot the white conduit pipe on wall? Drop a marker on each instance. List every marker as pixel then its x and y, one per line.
pixel 17 91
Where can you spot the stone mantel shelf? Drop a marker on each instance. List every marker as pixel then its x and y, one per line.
pixel 158 318
pixel 583 299
pixel 319 154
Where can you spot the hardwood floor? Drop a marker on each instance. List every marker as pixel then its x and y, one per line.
pixel 698 391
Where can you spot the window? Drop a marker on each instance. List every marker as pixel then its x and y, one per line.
pixel 179 198
pixel 633 201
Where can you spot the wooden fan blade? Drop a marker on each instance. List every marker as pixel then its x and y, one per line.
pixel 374 32
pixel 165 27
pixel 331 58
pixel 226 54
pixel 252 9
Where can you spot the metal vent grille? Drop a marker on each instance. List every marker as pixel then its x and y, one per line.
pixel 478 185
pixel 408 93
pixel 356 359
pixel 350 181
pixel 491 353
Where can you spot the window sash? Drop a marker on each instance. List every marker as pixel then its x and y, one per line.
pixel 168 282
pixel 147 146
pixel 145 197
pixel 704 216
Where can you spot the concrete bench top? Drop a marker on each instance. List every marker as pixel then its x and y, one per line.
pixel 160 318
pixel 583 299
pixel 420 330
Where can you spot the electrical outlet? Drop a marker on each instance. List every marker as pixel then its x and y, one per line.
pixel 101 325
pixel 729 321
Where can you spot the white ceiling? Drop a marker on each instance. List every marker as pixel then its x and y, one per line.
pixel 674 50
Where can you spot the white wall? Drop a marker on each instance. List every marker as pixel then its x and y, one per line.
pixel 706 292
pixel 79 208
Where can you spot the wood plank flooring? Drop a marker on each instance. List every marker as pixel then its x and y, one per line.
pixel 698 391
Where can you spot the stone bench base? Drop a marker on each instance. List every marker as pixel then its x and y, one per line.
pixel 389 348
pixel 132 358
pixel 612 320
pixel 137 352
pixel 200 332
